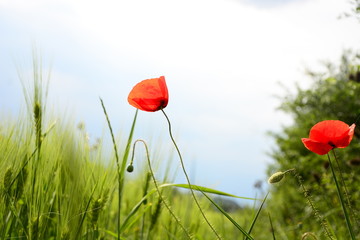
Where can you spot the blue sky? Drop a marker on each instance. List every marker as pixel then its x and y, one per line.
pixel 222 60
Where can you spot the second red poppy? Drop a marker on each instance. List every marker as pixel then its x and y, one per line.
pixel 327 135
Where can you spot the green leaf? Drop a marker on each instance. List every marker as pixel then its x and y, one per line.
pixel 257 214
pixel 207 190
pixel 228 217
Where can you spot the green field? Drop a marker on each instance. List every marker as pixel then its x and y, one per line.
pixel 55 184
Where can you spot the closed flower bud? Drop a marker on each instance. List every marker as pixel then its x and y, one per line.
pixel 276 177
pixel 130 168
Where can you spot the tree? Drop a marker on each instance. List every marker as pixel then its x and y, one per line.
pixel 334 94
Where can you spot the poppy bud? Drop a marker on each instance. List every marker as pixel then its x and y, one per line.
pixel 130 168
pixel 276 177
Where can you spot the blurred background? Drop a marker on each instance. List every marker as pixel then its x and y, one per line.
pixel 225 63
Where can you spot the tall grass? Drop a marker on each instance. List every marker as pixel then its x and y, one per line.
pixel 55 184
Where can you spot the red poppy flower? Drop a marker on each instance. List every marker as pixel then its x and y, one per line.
pixel 327 135
pixel 150 95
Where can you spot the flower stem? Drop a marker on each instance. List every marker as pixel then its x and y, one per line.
pixel 157 187
pixel 120 168
pixel 187 177
pixel 348 223
pixel 307 195
pixel 347 195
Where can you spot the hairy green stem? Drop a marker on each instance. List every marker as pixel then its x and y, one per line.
pixel 157 187
pixel 307 195
pixel 347 219
pixel 187 177
pixel 347 195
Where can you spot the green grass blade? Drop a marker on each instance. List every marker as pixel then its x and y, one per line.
pixel 127 223
pixel 272 227
pixel 117 162
pixel 123 163
pixel 227 216
pixel 86 210
pixel 128 145
pixel 134 211
pixel 207 190
pixel 120 169
pixel 257 215
pixel 23 167
pixel 110 233
pixel 195 187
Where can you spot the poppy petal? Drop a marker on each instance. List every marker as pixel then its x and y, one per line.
pixel 149 105
pixel 328 131
pixel 149 95
pixel 316 147
pixel 163 88
pixel 345 140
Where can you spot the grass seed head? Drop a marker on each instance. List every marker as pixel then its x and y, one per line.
pixel 21 180
pixel 37 111
pixel 7 179
pixel 96 208
pixel 156 214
